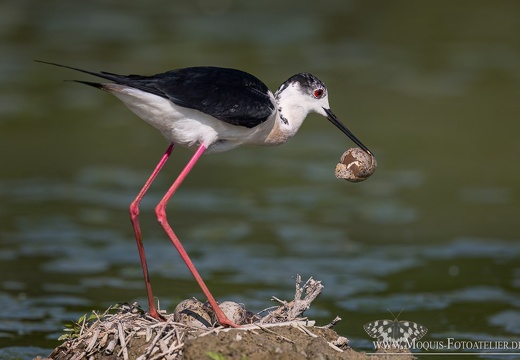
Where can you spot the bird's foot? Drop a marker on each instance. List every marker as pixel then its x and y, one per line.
pixel 155 314
pixel 227 323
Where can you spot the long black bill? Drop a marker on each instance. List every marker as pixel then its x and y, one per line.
pixel 333 119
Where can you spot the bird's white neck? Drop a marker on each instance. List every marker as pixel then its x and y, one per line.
pixel 290 113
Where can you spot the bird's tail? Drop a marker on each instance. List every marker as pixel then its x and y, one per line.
pixel 102 74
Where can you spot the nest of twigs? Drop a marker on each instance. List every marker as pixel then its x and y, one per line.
pixel 128 332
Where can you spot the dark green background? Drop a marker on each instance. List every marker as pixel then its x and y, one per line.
pixel 431 87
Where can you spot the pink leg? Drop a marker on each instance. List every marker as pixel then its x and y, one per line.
pixel 134 218
pixel 160 211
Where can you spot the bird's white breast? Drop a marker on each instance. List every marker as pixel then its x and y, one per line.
pixel 188 127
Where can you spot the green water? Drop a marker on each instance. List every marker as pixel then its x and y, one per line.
pixel 431 87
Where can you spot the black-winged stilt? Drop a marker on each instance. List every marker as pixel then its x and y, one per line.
pixel 212 109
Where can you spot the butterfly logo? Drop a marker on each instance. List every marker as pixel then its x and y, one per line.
pixel 394 333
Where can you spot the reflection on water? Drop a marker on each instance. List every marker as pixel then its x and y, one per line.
pixel 427 87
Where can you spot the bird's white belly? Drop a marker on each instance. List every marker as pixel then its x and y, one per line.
pixel 184 126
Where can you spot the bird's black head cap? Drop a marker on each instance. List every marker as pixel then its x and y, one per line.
pixel 307 82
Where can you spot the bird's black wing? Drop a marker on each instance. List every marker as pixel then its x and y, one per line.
pixel 233 96
pixel 230 95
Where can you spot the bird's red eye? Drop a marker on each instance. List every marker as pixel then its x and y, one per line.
pixel 318 93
